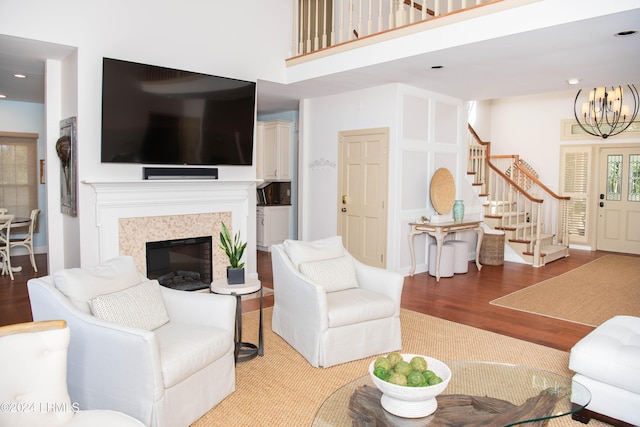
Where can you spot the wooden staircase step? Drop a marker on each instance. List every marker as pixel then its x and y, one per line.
pixel 526 242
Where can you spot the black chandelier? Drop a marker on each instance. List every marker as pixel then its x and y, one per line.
pixel 604 114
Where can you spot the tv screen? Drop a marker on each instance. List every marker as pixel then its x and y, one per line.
pixel 157 115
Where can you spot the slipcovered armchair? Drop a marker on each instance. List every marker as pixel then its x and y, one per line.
pixel 330 307
pixel 33 390
pixel 163 356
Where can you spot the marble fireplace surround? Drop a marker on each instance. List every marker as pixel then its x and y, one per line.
pixel 130 214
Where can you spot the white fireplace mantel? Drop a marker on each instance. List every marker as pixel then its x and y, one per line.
pixel 149 198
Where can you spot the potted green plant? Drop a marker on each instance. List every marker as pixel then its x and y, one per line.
pixel 234 248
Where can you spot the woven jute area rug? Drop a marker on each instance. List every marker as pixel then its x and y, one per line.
pixel 282 389
pixel 589 294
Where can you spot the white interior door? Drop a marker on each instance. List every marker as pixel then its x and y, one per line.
pixel 619 199
pixel 362 193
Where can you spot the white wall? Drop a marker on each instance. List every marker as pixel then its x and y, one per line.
pixel 426 131
pixel 29 117
pixel 191 35
pixel 530 127
pixel 321 119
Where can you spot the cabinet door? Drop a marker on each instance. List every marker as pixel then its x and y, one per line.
pixel 278 224
pixel 284 150
pixel 260 227
pixel 270 157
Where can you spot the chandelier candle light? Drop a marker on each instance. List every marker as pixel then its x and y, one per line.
pixel 604 114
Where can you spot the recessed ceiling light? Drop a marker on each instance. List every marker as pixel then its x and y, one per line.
pixel 573 81
pixel 20 76
pixel 627 33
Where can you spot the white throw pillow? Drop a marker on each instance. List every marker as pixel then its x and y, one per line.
pixel 335 274
pixel 82 284
pixel 140 306
pixel 299 251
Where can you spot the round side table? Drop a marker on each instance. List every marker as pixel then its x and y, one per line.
pixel 244 350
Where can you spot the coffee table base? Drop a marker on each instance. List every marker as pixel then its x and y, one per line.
pixel 453 409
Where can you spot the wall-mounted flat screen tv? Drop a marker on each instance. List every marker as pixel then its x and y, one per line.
pixel 157 115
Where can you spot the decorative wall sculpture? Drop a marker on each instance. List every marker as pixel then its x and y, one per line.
pixel 66 150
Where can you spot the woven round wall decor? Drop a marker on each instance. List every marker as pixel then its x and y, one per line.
pixel 443 191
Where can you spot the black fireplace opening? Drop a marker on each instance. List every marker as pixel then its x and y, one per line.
pixel 183 264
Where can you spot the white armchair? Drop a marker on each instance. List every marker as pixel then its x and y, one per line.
pixel 33 390
pixel 163 356
pixel 330 307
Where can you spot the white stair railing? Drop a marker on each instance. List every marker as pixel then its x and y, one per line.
pixel 519 203
pixel 323 23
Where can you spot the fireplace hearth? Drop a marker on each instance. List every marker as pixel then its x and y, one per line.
pixel 182 264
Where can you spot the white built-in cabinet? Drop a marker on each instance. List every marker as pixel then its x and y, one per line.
pixel 272 225
pixel 274 150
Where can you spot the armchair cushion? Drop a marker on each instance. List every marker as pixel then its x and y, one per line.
pixel 140 306
pixel 334 274
pixel 204 347
pixel 299 251
pixel 356 306
pixel 82 284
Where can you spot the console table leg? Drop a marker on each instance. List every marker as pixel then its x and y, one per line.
pixel 480 233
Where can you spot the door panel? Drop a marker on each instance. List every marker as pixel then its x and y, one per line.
pixel 362 191
pixel 619 200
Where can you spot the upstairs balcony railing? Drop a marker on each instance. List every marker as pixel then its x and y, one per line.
pixel 327 23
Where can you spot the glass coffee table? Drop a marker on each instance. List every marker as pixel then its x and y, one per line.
pixel 479 393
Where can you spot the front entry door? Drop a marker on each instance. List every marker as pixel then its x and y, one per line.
pixel 362 194
pixel 619 199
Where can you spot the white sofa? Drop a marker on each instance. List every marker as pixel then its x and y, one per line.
pixel 607 363
pixel 165 362
pixel 330 307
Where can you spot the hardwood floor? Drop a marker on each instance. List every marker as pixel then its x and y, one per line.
pixel 463 299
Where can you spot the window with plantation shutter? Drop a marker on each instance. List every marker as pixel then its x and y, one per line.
pixel 18 172
pixel 575 171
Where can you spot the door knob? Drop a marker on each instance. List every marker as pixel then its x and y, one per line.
pixel 345 199
pixel 343 209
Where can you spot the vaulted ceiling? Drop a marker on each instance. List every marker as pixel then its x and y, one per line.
pixel 522 64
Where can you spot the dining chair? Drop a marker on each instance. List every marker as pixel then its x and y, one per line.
pixel 27 240
pixel 5 247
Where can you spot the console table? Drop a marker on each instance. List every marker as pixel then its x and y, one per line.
pixel 439 230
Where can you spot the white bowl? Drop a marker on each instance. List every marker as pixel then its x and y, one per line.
pixel 412 402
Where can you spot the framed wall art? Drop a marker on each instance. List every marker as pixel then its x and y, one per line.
pixel 66 150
